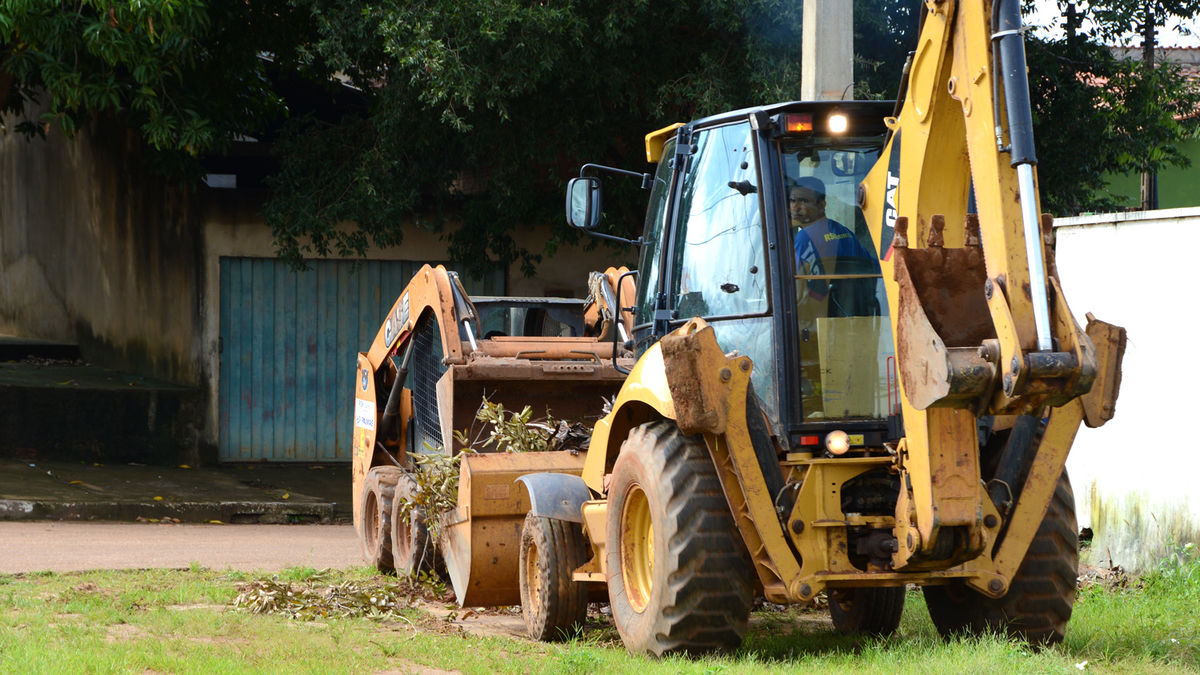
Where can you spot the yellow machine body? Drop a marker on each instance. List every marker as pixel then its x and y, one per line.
pixel 960 355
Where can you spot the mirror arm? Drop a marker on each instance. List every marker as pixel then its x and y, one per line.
pixel 613 237
pixel 647 179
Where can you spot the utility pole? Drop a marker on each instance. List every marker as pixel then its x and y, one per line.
pixel 827 68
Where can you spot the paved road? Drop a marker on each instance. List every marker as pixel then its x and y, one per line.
pixel 70 546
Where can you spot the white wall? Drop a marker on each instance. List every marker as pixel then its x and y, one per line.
pixel 1137 479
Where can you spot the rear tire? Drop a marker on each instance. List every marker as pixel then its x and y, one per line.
pixel 554 606
pixel 679 576
pixel 1041 595
pixel 413 550
pixel 378 492
pixel 868 611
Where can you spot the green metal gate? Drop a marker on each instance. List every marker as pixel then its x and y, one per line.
pixel 288 345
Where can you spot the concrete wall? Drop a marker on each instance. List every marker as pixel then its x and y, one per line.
pixel 1136 478
pixel 96 252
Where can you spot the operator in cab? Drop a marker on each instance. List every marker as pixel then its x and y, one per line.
pixel 823 247
pixel 836 279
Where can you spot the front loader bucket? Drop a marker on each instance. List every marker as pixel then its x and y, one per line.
pixel 481 539
pixel 571 390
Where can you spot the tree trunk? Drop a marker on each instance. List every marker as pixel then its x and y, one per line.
pixel 1149 177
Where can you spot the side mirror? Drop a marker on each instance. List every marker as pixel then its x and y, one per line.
pixel 583 202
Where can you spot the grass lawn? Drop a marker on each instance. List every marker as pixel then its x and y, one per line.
pixel 185 621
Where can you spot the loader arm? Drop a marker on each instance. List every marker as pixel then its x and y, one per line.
pixel 979 321
pixel 431 292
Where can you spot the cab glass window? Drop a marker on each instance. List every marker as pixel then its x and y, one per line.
pixel 720 267
pixel 652 236
pixel 719 271
pixel 847 360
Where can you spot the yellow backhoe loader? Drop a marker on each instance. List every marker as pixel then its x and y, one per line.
pixel 855 371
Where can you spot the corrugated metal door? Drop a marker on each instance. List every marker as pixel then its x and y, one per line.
pixel 288 346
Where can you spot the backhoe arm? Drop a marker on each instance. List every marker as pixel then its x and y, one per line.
pixel 980 324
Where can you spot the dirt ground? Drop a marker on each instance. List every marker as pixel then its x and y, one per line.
pixel 32 546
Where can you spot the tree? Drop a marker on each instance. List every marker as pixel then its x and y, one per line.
pixel 476 113
pixel 473 113
pixel 1097 115
pixel 187 76
pixel 885 31
pixel 1144 18
pixel 1094 115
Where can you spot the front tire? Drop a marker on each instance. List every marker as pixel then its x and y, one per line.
pixel 679 576
pixel 553 605
pixel 1041 595
pixel 378 492
pixel 868 611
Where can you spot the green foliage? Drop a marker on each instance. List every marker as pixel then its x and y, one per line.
pixel 1097 115
pixel 499 430
pixel 1123 119
pixel 1115 20
pixel 477 113
pixel 472 115
pixel 314 598
pixel 509 431
pixel 185 73
pixel 512 431
pixel 1177 574
pixel 437 487
pixel 885 31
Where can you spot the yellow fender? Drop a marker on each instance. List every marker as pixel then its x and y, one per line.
pixel 643 397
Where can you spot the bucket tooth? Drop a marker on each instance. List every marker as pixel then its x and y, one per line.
pixel 937 224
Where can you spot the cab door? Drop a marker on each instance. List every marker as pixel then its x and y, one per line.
pixel 717 250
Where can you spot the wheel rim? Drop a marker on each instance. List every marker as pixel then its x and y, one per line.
pixel 371 521
pixel 531 575
pixel 637 549
pixel 402 542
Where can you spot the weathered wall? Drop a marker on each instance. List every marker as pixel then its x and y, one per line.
pixel 96 251
pixel 1135 478
pixel 93 250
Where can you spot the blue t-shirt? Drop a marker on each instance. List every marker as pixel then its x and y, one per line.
pixel 828 247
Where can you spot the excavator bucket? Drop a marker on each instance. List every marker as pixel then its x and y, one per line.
pixel 942 320
pixel 481 538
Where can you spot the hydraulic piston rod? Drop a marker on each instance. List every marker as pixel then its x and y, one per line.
pixel 1010 52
